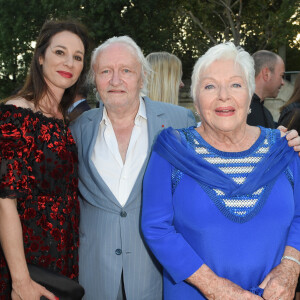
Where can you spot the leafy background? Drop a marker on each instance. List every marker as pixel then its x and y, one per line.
pixel 183 27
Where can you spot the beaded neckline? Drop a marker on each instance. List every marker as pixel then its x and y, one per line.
pixel 200 139
pixel 235 165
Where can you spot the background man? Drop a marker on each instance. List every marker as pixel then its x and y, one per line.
pixel 269 72
pixel 80 104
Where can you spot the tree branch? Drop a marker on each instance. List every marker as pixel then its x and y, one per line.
pixel 224 4
pixel 233 20
pixel 235 33
pixel 238 19
pixel 220 17
pixel 197 21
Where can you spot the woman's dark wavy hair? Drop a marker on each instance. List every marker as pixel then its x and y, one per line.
pixel 296 94
pixel 35 86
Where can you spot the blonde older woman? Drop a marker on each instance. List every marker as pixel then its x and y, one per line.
pixel 221 206
pixel 165 80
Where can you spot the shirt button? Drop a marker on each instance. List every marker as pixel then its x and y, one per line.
pixel 123 214
pixel 118 251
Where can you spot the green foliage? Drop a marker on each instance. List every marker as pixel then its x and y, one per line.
pixel 293 61
pixel 265 24
pixel 20 22
pixel 184 27
pixel 277 24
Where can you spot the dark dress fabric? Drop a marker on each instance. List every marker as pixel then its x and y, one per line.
pixel 38 167
pixel 260 115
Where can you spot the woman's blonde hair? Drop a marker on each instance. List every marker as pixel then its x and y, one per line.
pixel 165 78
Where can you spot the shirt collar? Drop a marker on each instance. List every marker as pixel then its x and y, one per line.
pixel 105 119
pixel 141 114
pixel 256 98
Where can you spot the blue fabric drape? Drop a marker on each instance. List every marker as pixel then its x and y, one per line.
pixel 172 147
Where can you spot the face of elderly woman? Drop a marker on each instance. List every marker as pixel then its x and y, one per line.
pixel 118 76
pixel 222 97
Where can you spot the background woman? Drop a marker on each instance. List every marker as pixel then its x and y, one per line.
pixel 39 209
pixel 165 80
pixel 221 202
pixel 290 112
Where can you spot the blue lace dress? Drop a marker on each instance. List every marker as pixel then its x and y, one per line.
pixel 241 238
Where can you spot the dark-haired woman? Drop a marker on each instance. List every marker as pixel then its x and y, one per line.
pixel 39 209
pixel 290 112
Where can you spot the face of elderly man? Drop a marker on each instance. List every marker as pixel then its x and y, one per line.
pixel 222 97
pixel 118 77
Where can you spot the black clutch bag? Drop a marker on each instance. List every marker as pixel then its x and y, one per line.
pixel 61 286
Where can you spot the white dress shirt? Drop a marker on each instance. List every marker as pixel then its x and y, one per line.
pixel 118 176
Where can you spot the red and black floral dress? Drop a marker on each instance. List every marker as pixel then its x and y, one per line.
pixel 38 167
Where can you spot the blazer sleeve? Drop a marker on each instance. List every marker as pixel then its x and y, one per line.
pixel 294 233
pixel 170 248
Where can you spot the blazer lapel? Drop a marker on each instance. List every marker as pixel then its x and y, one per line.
pixel 155 123
pixel 90 132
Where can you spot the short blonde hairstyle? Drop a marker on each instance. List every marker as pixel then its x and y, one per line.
pixel 165 78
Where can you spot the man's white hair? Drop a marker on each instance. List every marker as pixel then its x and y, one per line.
pixel 146 68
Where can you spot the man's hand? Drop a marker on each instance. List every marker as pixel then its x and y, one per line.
pixel 292 137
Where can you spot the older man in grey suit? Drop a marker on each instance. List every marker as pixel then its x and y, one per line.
pixel 114 144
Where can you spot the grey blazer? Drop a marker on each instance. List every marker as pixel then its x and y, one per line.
pixel 110 235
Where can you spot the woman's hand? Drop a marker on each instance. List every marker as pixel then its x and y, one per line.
pixel 292 137
pixel 227 290
pixel 11 238
pixel 30 290
pixel 218 288
pixel 281 282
